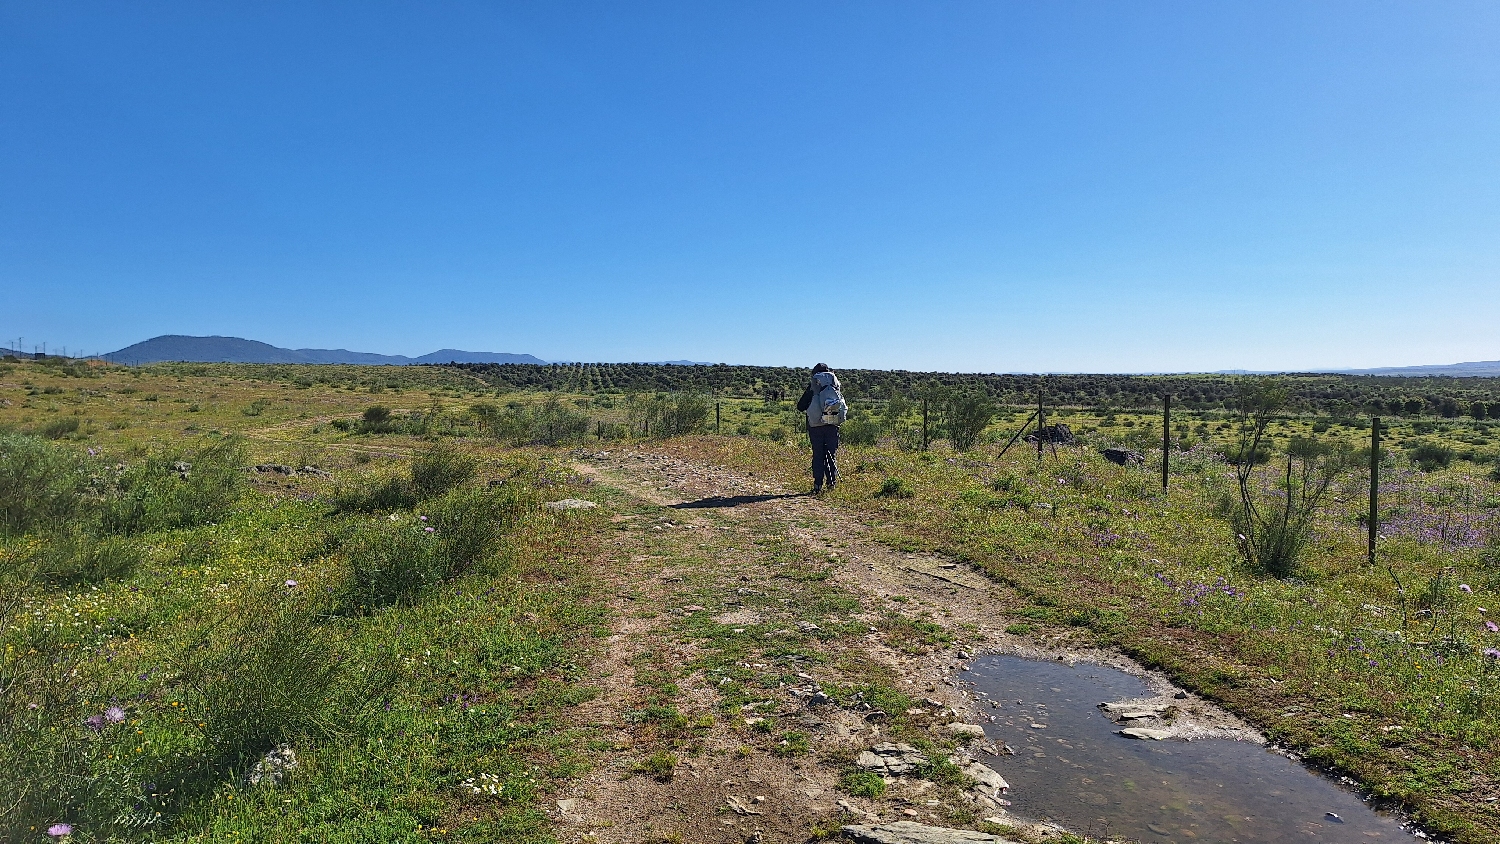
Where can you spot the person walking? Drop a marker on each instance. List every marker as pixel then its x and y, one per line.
pixel 823 402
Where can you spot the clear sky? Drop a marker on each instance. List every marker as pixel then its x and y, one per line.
pixel 972 186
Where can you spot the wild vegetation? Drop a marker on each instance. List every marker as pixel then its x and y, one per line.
pixel 411 624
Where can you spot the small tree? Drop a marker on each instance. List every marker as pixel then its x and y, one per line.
pixel 1274 524
pixel 966 415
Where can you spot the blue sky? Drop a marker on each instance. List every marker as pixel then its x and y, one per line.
pixel 989 186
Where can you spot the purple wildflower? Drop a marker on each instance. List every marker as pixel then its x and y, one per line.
pixel 1492 653
pixel 423 518
pixel 58 830
pixel 291 583
pixel 429 530
pixel 1464 588
pixel 1492 627
pixel 114 715
pixel 94 722
pixel 93 452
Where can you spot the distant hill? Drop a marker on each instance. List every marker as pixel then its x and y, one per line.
pixel 179 347
pixel 1473 369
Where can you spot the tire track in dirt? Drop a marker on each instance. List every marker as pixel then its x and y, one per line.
pixel 701 523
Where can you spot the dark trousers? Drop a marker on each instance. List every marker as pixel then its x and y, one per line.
pixel 825 445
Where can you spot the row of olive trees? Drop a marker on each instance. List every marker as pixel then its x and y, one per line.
pixel 554 422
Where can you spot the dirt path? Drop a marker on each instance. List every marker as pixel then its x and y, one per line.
pixel 742 608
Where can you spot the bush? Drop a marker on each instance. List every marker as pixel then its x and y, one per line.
pixel 389 561
pixel 75 558
pixel 43 743
pixel 895 488
pixel 40 484
pixel 555 423
pixel 59 428
pixel 392 560
pixel 552 423
pixel 256 681
pixel 439 469
pixel 376 414
pixel 862 784
pixel 965 416
pixel 167 492
pixel 1430 456
pixel 859 431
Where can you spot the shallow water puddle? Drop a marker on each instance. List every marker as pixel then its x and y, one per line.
pixel 1070 766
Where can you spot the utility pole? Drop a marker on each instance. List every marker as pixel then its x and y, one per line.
pixel 1166 436
pixel 1374 484
pixel 717 406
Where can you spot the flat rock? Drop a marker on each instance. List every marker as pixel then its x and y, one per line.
pixel 911 832
pixel 891 759
pixel 959 728
pixel 570 504
pixel 1145 733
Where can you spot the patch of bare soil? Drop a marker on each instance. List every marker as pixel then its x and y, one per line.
pixel 732 784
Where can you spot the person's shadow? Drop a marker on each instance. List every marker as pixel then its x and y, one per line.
pixel 718 501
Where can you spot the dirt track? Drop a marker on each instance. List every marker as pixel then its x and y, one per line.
pixel 703 534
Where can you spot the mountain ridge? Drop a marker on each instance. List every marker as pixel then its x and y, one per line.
pixel 219 349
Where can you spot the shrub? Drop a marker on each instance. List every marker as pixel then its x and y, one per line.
pixel 439 469
pixel 40 484
pixel 75 558
pixel 59 428
pixel 469 524
pixel 389 561
pixel 860 431
pixel 894 488
pixel 1430 456
pixel 555 423
pixel 661 765
pixel 1273 525
pixel 43 743
pixel 965 416
pixel 376 414
pixel 862 784
pixel 256 679
pixel 167 492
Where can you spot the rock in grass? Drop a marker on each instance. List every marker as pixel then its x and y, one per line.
pixel 570 504
pixel 911 832
pixel 273 766
pixel 959 728
pixel 1123 456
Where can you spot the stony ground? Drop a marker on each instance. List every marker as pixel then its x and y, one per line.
pixel 760 632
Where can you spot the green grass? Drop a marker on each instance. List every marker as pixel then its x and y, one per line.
pixel 1117 563
pixel 162 628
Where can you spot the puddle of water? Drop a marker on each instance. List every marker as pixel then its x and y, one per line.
pixel 1077 772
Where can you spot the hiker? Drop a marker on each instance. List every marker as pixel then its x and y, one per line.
pixel 823 402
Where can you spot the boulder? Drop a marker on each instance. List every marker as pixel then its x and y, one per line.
pixel 987 780
pixel 1123 456
pixel 911 832
pixel 958 728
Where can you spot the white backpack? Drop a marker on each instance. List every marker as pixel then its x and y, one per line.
pixel 829 401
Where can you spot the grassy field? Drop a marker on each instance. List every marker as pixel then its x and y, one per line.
pixel 1388 673
pixel 172 619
